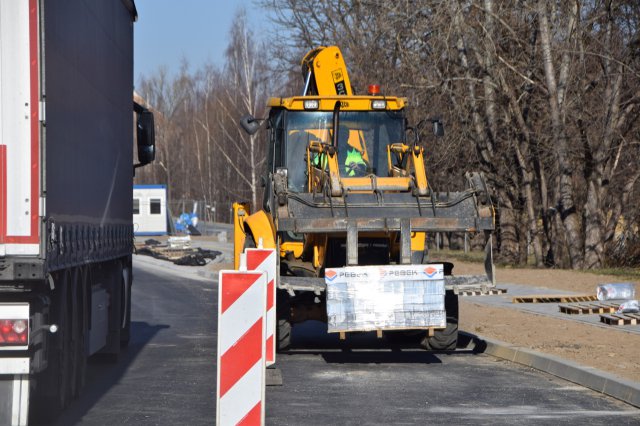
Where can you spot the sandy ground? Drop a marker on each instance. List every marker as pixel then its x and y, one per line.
pixel 611 350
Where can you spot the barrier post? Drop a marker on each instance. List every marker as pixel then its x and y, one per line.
pixel 241 348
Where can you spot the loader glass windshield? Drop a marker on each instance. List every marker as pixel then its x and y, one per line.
pixel 363 138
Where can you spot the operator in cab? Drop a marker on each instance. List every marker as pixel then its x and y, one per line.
pixel 354 164
pixel 351 146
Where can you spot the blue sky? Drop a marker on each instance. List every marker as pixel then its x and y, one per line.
pixel 197 30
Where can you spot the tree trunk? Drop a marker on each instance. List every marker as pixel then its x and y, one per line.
pixel 509 246
pixel 565 196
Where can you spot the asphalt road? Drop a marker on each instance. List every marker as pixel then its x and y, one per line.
pixel 167 376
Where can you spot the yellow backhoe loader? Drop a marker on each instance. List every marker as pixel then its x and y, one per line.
pixel 346 186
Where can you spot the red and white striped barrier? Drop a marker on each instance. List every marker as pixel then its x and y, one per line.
pixel 241 348
pixel 265 260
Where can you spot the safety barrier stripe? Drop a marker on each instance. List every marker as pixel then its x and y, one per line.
pixel 265 260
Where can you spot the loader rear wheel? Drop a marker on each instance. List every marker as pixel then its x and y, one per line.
pixel 284 335
pixel 283 315
pixel 447 339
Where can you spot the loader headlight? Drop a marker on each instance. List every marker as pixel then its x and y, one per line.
pixel 378 104
pixel 311 104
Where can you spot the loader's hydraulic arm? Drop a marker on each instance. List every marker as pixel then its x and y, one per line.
pixel 403 167
pixel 325 73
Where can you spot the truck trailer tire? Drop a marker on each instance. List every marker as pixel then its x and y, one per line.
pixel 110 273
pixel 83 286
pixel 125 332
pixel 447 339
pixel 77 333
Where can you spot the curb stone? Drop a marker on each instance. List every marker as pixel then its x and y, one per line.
pixel 589 377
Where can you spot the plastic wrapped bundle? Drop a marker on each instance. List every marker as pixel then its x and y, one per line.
pixel 611 291
pixel 629 307
pixel 385 297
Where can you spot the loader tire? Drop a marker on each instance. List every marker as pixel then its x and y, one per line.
pixel 447 339
pixel 284 335
pixel 443 340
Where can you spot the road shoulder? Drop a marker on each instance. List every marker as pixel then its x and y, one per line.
pixel 592 378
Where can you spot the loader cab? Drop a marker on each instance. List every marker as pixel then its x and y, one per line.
pixel 364 137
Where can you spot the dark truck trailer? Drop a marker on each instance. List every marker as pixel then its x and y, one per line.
pixel 66 181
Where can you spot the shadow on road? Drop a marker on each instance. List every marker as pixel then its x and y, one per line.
pixel 411 356
pixel 312 338
pixel 103 373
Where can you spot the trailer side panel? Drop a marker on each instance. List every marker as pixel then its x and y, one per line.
pixel 89 132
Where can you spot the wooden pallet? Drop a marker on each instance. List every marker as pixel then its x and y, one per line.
pixel 620 319
pixel 379 332
pixel 589 308
pixel 554 298
pixel 491 292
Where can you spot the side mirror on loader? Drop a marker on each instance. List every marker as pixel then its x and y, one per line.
pixel 436 122
pixel 250 124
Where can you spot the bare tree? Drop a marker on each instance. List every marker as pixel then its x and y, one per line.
pixel 544 97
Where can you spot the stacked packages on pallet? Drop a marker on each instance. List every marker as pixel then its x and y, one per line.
pixel 364 298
